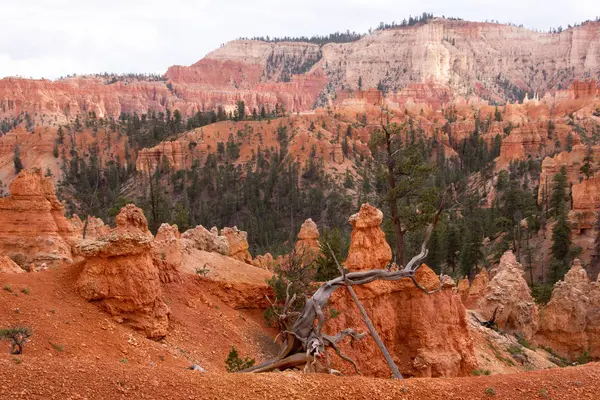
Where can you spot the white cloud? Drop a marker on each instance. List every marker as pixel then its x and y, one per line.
pixel 51 38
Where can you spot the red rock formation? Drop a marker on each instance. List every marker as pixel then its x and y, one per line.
pixel 94 227
pixel 424 63
pixel 463 288
pixel 254 137
pixel 570 322
pixel 167 253
pixel 117 272
pixel 264 261
pixel 533 139
pixel 203 239
pixel 308 239
pixel 572 161
pixel 471 294
pixel 9 266
pixel 33 229
pixel 427 335
pixel 238 244
pixel 509 293
pixel 368 247
pixel 586 203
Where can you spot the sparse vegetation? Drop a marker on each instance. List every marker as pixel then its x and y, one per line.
pixel 480 372
pixel 25 290
pixel 490 391
pixel 234 363
pixel 555 358
pixel 58 347
pixel 584 358
pixel 7 288
pixel 333 313
pixel 524 342
pixel 18 335
pixel 203 271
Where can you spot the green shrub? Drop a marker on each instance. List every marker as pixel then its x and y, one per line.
pixel 333 313
pixel 542 293
pixel 202 271
pixel 524 342
pixel 234 363
pixel 479 372
pixel 298 272
pixel 584 358
pixel 490 391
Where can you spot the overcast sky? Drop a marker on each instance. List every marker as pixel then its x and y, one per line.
pixel 52 38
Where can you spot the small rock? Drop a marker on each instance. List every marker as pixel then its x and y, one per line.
pixel 195 367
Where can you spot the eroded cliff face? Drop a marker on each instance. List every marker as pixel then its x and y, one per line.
pixel 570 322
pixel 455 53
pixel 118 273
pixel 309 136
pixel 33 228
pixel 461 58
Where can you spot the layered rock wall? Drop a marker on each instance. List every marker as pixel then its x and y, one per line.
pixel 33 229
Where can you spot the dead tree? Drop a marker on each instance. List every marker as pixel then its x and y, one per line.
pixel 304 344
pixel 491 323
pixel 19 337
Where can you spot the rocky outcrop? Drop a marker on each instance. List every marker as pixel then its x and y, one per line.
pixel 93 227
pixel 9 266
pixel 420 62
pixel 308 239
pixel 203 239
pixel 570 322
pixel 427 335
pixel 586 204
pixel 472 293
pixel 264 261
pixel 238 244
pixel 571 161
pixel 33 229
pixel 368 247
pixel 533 139
pixel 508 293
pixel 167 253
pixel 118 273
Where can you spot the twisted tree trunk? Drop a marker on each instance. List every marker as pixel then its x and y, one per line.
pixel 303 343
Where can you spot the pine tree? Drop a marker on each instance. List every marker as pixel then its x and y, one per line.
pixel 587 169
pixel 561 244
pixel 557 198
pixel 17 160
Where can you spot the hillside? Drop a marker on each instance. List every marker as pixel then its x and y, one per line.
pixel 500 63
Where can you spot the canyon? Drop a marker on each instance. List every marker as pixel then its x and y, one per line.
pixel 145 286
pixel 119 296
pixel 463 59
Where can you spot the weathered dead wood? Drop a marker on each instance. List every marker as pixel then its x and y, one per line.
pixel 303 343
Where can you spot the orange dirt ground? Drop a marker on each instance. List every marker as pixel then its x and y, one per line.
pixel 79 352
